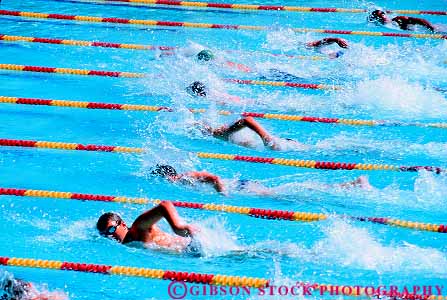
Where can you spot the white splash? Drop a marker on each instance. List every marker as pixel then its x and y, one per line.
pixel 430 189
pixel 397 98
pixel 71 231
pixel 215 239
pixel 347 245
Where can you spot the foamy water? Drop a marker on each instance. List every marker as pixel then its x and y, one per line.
pixel 389 96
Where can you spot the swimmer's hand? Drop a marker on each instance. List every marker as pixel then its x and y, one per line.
pixel 206 177
pixel 186 230
pixel 341 43
pixel 204 127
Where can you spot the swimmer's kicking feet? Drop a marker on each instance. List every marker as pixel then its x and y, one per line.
pixel 225 132
pixel 145 230
pixel 242 185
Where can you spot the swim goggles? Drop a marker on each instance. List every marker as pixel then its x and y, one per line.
pixel 112 229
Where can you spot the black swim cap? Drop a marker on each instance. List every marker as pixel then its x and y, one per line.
pixel 197 88
pixel 164 171
pixel 377 16
pixel 205 55
pixel 14 289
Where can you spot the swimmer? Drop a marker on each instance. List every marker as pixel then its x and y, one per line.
pixel 380 17
pixel 275 74
pixel 241 185
pixel 199 89
pixel 225 133
pixel 320 44
pixel 190 178
pixel 145 230
pixel 271 74
pixel 206 56
pixel 16 289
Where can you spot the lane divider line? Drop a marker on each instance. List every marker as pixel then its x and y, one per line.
pixel 248 7
pixel 84 72
pixel 123 21
pixel 271 116
pixel 191 277
pixel 270 214
pixel 209 279
pixel 325 165
pixel 81 43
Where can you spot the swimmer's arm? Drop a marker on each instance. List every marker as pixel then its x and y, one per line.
pixel 207 177
pixel 225 131
pixel 404 21
pixel 328 41
pixel 422 22
pixel 164 210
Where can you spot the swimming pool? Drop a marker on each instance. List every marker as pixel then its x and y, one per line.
pixel 383 78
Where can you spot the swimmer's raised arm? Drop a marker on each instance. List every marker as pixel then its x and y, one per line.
pixel 164 210
pixel 224 132
pixel 328 41
pixel 206 177
pixel 404 21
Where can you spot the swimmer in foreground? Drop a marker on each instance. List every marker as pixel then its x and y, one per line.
pixel 242 185
pixel 16 289
pixel 405 23
pixel 145 230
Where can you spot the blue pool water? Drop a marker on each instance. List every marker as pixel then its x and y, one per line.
pixel 383 79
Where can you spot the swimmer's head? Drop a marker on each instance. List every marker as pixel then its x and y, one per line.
pixel 111 225
pixel 15 289
pixel 205 55
pixel 197 88
pixel 164 171
pixel 378 16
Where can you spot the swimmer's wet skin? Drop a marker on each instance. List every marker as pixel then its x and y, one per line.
pixel 241 185
pixel 144 228
pixel 380 17
pixel 328 41
pixel 171 174
pixel 224 132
